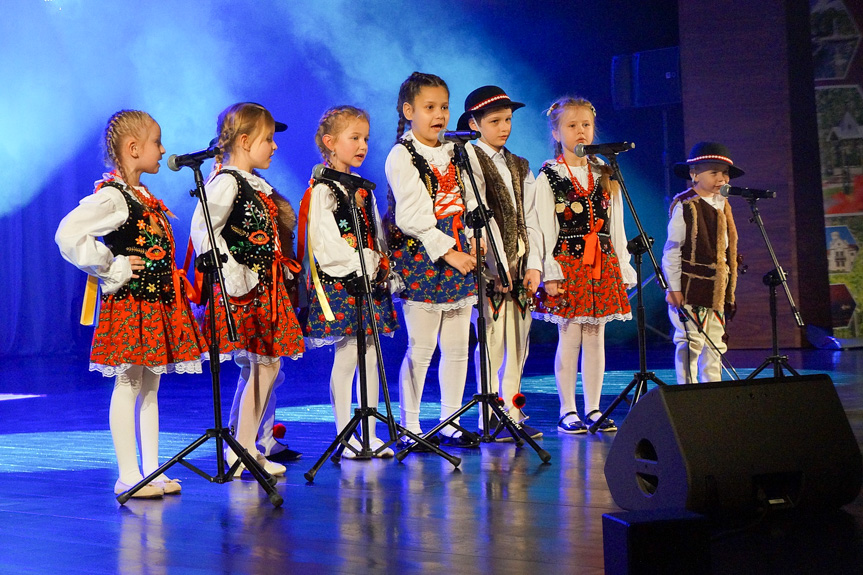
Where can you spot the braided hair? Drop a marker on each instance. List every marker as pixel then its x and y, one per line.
pixel 121 126
pixel 334 122
pixel 554 113
pixel 238 119
pixel 409 90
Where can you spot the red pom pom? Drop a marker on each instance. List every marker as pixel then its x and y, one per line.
pixel 518 400
pixel 279 430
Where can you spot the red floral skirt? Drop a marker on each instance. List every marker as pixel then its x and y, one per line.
pixel 257 331
pixel 152 334
pixel 584 298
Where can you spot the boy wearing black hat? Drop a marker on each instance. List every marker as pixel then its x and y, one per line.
pixel 700 262
pixel 509 189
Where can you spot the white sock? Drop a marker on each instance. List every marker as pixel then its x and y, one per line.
pixel 452 371
pixel 423 327
pixel 255 396
pixel 592 365
pixel 148 421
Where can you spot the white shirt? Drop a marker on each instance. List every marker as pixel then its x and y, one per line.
pixel 531 217
pixel 336 257
pixel 221 191
pixel 671 255
pixel 414 209
pixel 96 216
pixel 551 227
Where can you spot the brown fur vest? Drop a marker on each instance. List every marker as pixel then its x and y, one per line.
pixel 708 254
pixel 509 216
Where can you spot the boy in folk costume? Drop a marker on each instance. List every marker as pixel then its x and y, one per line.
pixel 700 262
pixel 509 187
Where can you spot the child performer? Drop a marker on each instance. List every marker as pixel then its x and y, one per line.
pixel 509 186
pixel 430 252
pixel 582 213
pixel 146 327
pixel 244 219
pixel 343 140
pixel 700 262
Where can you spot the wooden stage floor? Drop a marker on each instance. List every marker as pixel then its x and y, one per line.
pixel 502 511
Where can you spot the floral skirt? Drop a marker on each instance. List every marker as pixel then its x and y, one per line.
pixel 343 305
pixel 259 334
pixel 584 299
pixel 162 337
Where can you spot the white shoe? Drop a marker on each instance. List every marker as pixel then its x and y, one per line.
pixel 271 467
pixel 376 444
pixel 169 486
pixel 150 491
pixel 348 453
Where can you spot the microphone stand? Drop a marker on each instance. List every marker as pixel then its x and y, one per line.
pixel 365 292
pixel 489 400
pixel 211 263
pixel 685 316
pixel 773 278
pixel 637 246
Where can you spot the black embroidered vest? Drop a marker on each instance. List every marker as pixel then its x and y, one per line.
pixel 136 237
pixel 249 231
pixel 345 221
pixel 395 238
pixel 573 214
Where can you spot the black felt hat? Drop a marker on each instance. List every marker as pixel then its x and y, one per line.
pixel 703 152
pixel 485 98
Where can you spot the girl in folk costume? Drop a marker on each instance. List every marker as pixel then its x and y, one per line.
pixel 146 327
pixel 244 218
pixel 585 246
pixel 334 265
pixel 430 252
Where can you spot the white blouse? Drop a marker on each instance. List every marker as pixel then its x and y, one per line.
pixel 551 227
pixel 414 210
pixel 336 257
pixel 221 191
pixel 95 216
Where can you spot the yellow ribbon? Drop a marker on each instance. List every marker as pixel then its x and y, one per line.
pixel 88 307
pixel 319 289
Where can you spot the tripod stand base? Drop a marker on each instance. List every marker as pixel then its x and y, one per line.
pixel 264 479
pixel 639 385
pixel 340 443
pixel 779 363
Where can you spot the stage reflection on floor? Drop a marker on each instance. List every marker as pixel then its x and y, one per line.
pixel 501 511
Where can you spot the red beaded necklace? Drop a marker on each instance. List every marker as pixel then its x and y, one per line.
pixel 579 189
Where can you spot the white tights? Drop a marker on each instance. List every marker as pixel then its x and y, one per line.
pixel 134 417
pixel 253 401
pixel 342 377
pixel 590 339
pixel 426 330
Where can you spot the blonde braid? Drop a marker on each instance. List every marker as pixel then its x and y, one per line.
pixel 237 119
pixel 121 125
pixel 555 111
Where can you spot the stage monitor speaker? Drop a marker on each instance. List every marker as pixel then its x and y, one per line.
pixel 732 448
pixel 644 79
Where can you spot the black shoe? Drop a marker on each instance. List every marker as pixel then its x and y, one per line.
pixel 406 442
pixel 466 440
pixel 606 425
pixel 285 455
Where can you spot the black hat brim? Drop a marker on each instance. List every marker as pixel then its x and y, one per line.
pixel 681 170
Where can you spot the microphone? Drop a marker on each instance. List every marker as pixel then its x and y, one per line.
pixel 748 193
pixel 582 150
pixel 322 172
pixel 176 162
pixel 458 136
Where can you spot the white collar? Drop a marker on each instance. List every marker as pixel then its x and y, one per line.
pixel 489 151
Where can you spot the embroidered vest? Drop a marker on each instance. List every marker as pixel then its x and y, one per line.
pixel 573 214
pixel 708 254
pixel 395 238
pixel 249 230
pixel 136 237
pixel 345 220
pixel 509 216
